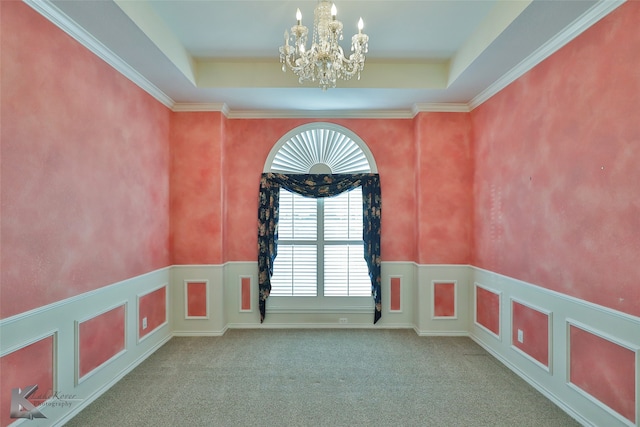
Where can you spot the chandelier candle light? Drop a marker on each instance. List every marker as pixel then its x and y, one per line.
pixel 324 61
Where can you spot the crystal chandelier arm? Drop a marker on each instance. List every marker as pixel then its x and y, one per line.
pixel 324 61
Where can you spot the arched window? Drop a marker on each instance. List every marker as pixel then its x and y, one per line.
pixel 320 263
pixel 320 148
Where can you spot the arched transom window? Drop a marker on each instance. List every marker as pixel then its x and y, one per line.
pixel 320 148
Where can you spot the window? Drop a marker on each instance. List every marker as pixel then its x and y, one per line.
pixel 320 265
pixel 323 232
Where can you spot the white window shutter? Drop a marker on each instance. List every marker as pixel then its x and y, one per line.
pixel 320 146
pixel 320 232
pixel 343 216
pixel 295 271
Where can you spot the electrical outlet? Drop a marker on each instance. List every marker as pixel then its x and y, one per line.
pixel 520 336
pixel 343 320
pixel 144 323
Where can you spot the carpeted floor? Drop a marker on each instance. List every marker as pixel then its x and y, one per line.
pixel 335 377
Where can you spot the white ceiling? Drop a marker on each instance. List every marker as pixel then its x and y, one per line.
pixel 424 55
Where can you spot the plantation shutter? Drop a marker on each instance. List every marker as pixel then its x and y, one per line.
pixel 345 269
pixel 295 272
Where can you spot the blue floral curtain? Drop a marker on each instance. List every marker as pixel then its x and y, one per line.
pixel 317 185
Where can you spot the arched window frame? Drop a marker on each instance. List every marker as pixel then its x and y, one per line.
pixel 336 150
pixel 297 135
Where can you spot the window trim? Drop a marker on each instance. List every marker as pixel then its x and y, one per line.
pixel 320 243
pixel 320 304
pixel 373 167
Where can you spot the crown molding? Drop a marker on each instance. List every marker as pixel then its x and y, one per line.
pixel 589 18
pixel 320 114
pixel 199 107
pixel 323 114
pixel 62 21
pixel 459 107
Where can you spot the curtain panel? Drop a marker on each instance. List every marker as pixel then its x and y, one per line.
pixel 317 185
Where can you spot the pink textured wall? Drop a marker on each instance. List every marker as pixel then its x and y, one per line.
pixel 100 338
pixel 534 325
pixel 247 145
pixel 197 205
pixel 605 370
pixel 444 188
pixel 214 186
pixel 395 293
pixel 488 309
pixel 153 307
pixel 27 366
pixel 444 299
pixel 84 168
pixel 197 299
pixel 557 200
pixel 245 293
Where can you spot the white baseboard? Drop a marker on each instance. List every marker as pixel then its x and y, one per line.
pixel 100 391
pixel 441 333
pixel 200 333
pixel 552 397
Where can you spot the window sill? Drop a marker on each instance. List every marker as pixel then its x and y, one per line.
pixel 319 305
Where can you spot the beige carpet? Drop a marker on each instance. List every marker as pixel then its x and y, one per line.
pixel 337 377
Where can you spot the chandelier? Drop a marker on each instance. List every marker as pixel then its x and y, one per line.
pixel 324 61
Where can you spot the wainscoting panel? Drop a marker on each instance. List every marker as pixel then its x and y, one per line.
pixel 397 304
pixel 196 296
pixel 246 294
pixel 100 339
pixel 608 375
pixel 44 340
pixel 153 307
pixel 240 303
pixel 31 363
pixel 443 290
pixel 443 298
pixel 487 306
pixel 531 332
pixel 587 342
pixel 214 324
pixel 282 313
pixel 395 293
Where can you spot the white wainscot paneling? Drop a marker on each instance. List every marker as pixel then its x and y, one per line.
pixel 215 324
pixel 62 317
pixel 234 272
pixel 191 286
pixel 225 311
pixel 562 310
pixel 426 323
pixel 334 312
